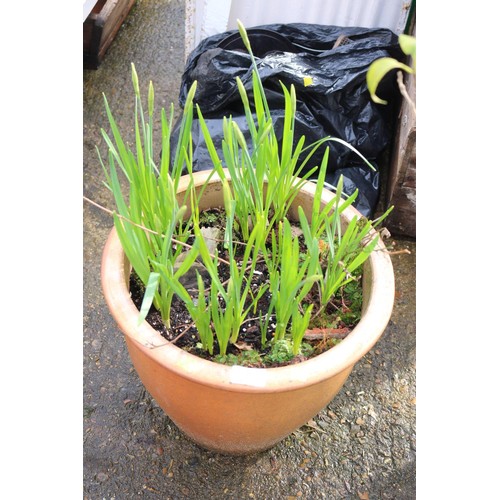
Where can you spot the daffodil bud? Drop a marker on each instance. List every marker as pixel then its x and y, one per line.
pixel 151 99
pixel 239 136
pixel 190 97
pixel 244 36
pixel 243 92
pixel 227 194
pixel 135 81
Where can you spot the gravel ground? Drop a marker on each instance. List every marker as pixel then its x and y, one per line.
pixel 361 446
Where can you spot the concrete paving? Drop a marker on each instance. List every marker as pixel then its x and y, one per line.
pixel 361 446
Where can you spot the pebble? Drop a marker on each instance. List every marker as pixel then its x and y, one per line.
pixel 211 235
pixel 102 476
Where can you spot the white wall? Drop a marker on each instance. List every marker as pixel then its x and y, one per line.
pixel 208 17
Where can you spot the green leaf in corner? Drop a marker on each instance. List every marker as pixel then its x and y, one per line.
pixel 152 286
pixel 377 70
pixel 408 45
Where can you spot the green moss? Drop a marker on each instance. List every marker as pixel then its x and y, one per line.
pixel 227 359
pixel 213 218
pixel 245 358
pixel 282 352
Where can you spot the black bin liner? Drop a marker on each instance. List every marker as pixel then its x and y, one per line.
pixel 337 103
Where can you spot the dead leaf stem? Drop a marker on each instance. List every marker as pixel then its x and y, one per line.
pixel 177 242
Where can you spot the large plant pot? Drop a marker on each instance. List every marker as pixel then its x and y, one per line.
pixel 240 410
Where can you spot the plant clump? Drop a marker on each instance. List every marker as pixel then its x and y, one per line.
pixel 162 232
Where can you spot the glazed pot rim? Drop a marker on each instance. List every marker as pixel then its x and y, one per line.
pixel 377 312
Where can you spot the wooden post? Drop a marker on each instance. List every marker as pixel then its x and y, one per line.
pixel 402 182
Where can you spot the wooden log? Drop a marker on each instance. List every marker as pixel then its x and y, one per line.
pixel 101 27
pixel 402 181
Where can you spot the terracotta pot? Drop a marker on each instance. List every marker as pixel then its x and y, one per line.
pixel 240 410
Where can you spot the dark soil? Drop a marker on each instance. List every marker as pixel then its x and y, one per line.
pixel 341 315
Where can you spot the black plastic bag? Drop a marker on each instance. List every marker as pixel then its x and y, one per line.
pixel 336 104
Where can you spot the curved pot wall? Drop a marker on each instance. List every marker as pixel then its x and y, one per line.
pixel 240 410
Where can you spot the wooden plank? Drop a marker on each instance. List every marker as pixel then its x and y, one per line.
pixel 402 220
pixel 101 27
pixel 114 20
pixel 402 181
